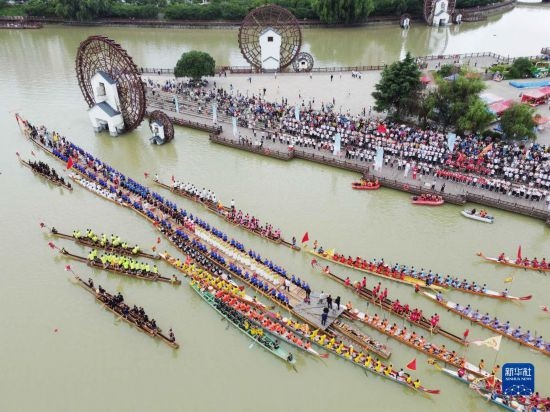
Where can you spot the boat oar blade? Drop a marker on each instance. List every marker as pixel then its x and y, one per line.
pixel 324 356
pixel 526 297
pixel 251 345
pixel 433 391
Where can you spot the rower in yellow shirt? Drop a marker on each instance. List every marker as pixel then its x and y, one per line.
pixel 368 361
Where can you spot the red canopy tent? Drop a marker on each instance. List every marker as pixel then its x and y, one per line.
pixel 533 97
pixel 499 107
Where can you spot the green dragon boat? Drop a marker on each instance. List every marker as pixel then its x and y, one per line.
pixel 243 325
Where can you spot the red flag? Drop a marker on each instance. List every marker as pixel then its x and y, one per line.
pixel 412 365
pixel 70 163
pixel 466 333
pixel 305 238
pixel 68 268
pixel 313 262
pixel 519 252
pixel 50 244
pixel 146 174
pixel 173 179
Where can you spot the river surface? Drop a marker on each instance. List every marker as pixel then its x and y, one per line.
pixel 92 361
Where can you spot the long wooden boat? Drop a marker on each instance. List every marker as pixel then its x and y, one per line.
pixel 256 232
pixel 509 262
pixel 128 318
pixel 211 206
pixel 513 406
pixel 145 276
pixel 325 341
pixel 49 178
pixel 421 283
pixel 253 315
pixel 409 280
pixel 387 304
pixel 423 346
pixel 80 180
pixel 264 341
pixel 455 308
pixel 223 212
pixel 84 241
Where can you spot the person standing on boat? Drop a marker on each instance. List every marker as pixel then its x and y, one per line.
pixel 337 301
pixel 329 302
pixel 324 317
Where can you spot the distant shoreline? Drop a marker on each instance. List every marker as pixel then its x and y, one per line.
pixel 489 10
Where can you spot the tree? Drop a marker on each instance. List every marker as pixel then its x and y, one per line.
pixel 521 68
pixel 477 118
pixel 399 87
pixel 81 9
pixel 454 99
pixel 195 64
pixel 517 122
pixel 343 11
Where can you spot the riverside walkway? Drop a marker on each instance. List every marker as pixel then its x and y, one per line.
pixel 198 116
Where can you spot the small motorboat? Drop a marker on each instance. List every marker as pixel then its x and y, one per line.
pixel 427 200
pixel 471 214
pixel 365 185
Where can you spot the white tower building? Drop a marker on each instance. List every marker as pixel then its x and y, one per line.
pixel 105 113
pixel 270 45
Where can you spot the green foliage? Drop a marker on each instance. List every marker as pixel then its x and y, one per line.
pixel 40 8
pixel 145 11
pixel 16 10
pixel 195 64
pixel 453 100
pixel 517 122
pixel 397 7
pixel 461 4
pixel 399 87
pixel 477 118
pixel 81 9
pixel 343 11
pixel 425 107
pixel 521 68
pixel 447 70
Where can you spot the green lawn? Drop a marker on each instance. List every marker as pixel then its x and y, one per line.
pixel 18 10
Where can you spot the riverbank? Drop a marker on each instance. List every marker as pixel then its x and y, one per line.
pixel 469 14
pixel 349 95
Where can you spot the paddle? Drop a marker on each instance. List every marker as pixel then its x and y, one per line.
pixel 324 356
